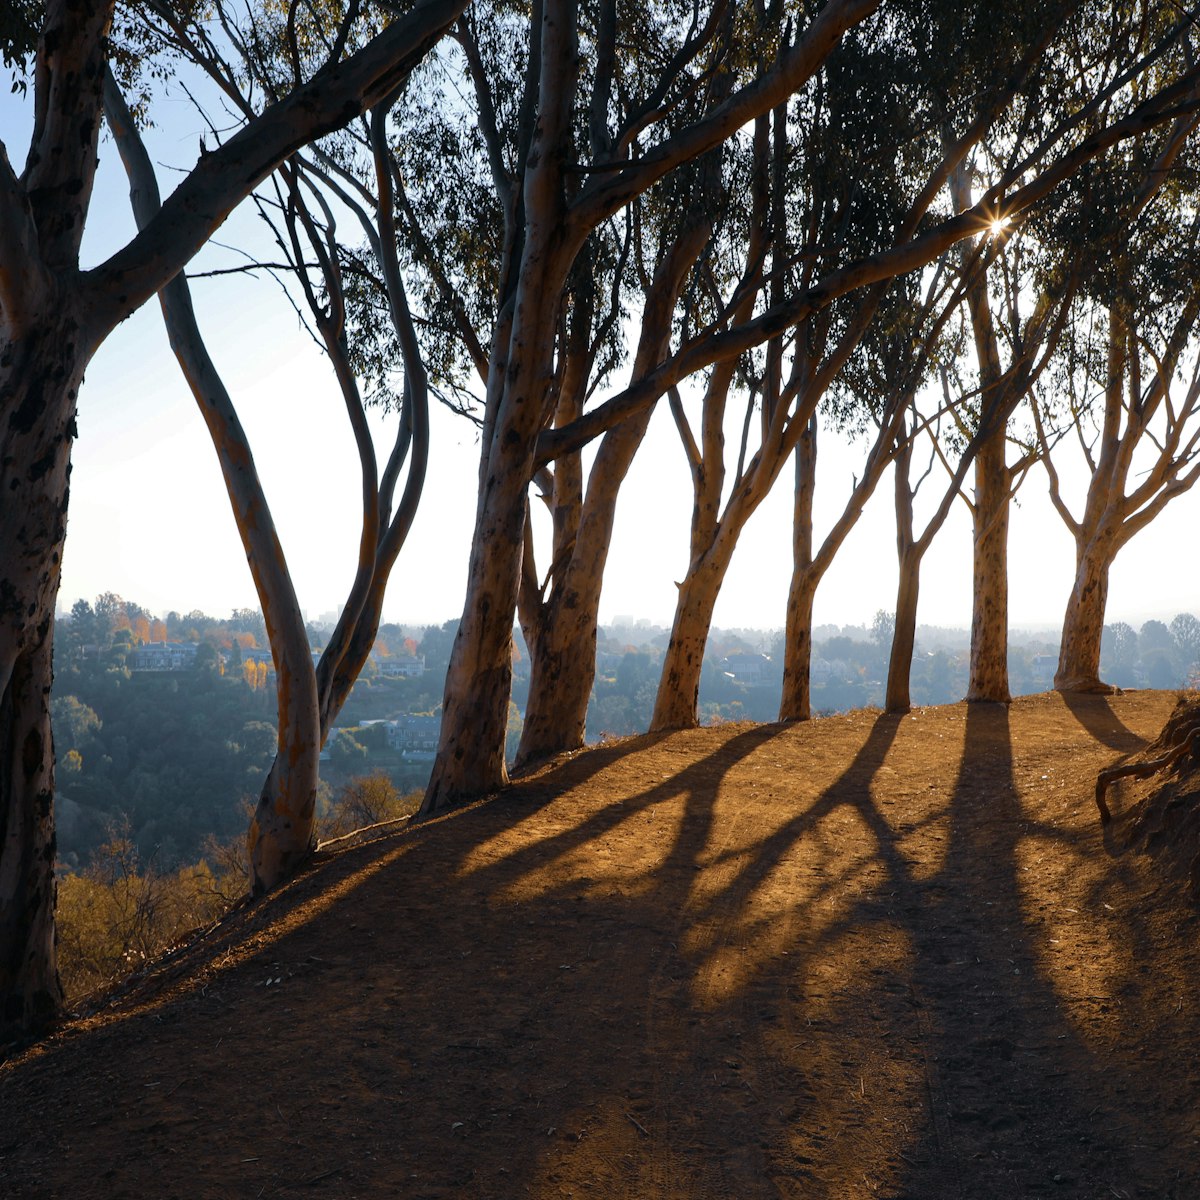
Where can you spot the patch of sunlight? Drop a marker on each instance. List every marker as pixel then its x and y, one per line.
pixel 629 855
pixel 1081 945
pixel 850 1046
pixel 758 904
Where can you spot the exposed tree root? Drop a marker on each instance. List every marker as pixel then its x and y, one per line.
pixel 1143 770
pixel 1165 817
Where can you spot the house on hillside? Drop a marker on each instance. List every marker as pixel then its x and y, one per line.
pixel 415 737
pixel 163 656
pixel 405 666
pixel 751 670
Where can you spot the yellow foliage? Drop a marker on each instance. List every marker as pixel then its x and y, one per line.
pixel 113 916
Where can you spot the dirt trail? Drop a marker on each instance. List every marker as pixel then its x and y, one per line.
pixel 864 956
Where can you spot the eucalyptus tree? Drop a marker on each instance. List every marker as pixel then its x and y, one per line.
pixel 1021 310
pixel 881 393
pixel 461 158
pixel 1130 381
pixel 264 59
pixel 53 316
pixel 876 146
pixel 518 435
pixel 589 140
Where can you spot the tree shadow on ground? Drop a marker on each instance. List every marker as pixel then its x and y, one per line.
pixel 802 961
pixel 1095 713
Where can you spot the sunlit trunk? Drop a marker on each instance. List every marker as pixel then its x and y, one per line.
pixel 470 758
pixel 904 638
pixel 796 701
pixel 676 703
pixel 989 620
pixel 1083 623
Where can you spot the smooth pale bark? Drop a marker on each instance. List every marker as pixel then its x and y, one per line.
pixel 989 615
pixel 1083 625
pixel 808 568
pixel 910 553
pixel 563 648
pixel 281 833
pixel 561 632
pixel 520 401
pixel 470 760
pixel 1112 515
pixel 897 698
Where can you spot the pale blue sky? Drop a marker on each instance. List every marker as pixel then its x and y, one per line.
pixel 149 518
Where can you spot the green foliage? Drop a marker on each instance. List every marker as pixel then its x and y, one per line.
pixel 20 21
pixel 172 754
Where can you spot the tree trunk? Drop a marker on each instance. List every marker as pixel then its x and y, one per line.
pixel 989 620
pixel 897 698
pixel 904 638
pixel 796 701
pixel 40 376
pixel 1083 624
pixel 470 758
pixel 564 660
pixel 560 685
pixel 678 695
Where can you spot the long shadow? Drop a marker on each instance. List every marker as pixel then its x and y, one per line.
pixel 451 1026
pixel 1020 1103
pixel 1096 715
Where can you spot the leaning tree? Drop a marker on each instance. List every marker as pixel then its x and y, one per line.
pixel 1128 387
pixel 316 258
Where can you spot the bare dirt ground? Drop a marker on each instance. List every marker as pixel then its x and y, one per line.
pixel 865 956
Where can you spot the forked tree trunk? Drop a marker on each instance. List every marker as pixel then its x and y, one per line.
pixel 989 619
pixel 1083 625
pixel 39 381
pixel 281 834
pixel 564 659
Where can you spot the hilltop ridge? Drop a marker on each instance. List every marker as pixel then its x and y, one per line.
pixel 860 956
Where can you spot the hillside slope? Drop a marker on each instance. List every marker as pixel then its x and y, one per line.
pixel 864 956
